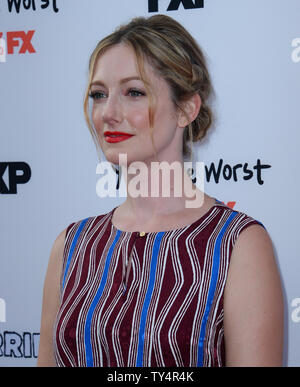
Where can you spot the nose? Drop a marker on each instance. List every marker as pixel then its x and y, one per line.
pixel 112 110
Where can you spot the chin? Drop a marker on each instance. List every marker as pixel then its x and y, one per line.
pixel 115 157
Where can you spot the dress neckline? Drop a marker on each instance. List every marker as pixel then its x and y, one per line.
pixel 144 233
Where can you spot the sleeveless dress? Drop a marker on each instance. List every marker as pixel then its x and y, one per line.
pixel 154 299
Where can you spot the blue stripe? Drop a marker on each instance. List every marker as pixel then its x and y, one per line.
pixel 83 222
pixel 139 360
pixel 212 288
pixel 87 330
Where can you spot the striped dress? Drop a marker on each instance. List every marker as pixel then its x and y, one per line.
pixel 153 300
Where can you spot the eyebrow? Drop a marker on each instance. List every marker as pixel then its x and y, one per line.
pixel 124 80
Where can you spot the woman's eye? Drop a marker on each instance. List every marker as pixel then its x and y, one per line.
pixel 97 95
pixel 135 93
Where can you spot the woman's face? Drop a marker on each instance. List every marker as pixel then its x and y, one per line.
pixel 120 103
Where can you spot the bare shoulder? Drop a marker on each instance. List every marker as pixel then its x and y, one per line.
pixel 253 265
pixel 56 258
pixel 51 300
pixel 254 237
pixel 253 302
pixel 253 250
pixel 58 245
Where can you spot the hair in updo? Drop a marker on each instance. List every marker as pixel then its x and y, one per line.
pixel 176 56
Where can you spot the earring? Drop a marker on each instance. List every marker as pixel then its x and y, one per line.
pixel 191 171
pixel 192 174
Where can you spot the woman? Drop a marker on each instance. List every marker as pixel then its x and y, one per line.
pixel 155 282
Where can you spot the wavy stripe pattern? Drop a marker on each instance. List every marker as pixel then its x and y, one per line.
pixel 171 311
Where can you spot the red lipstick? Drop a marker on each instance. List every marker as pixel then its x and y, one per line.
pixel 116 136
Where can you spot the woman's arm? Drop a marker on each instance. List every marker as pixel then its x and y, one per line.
pixel 51 302
pixel 253 303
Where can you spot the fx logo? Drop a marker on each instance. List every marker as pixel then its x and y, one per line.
pixel 14 177
pixel 19 38
pixel 174 5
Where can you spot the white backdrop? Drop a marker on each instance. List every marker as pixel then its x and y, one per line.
pixel 48 159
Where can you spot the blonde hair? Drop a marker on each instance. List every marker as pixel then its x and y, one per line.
pixel 176 56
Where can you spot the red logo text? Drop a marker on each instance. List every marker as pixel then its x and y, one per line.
pixel 19 42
